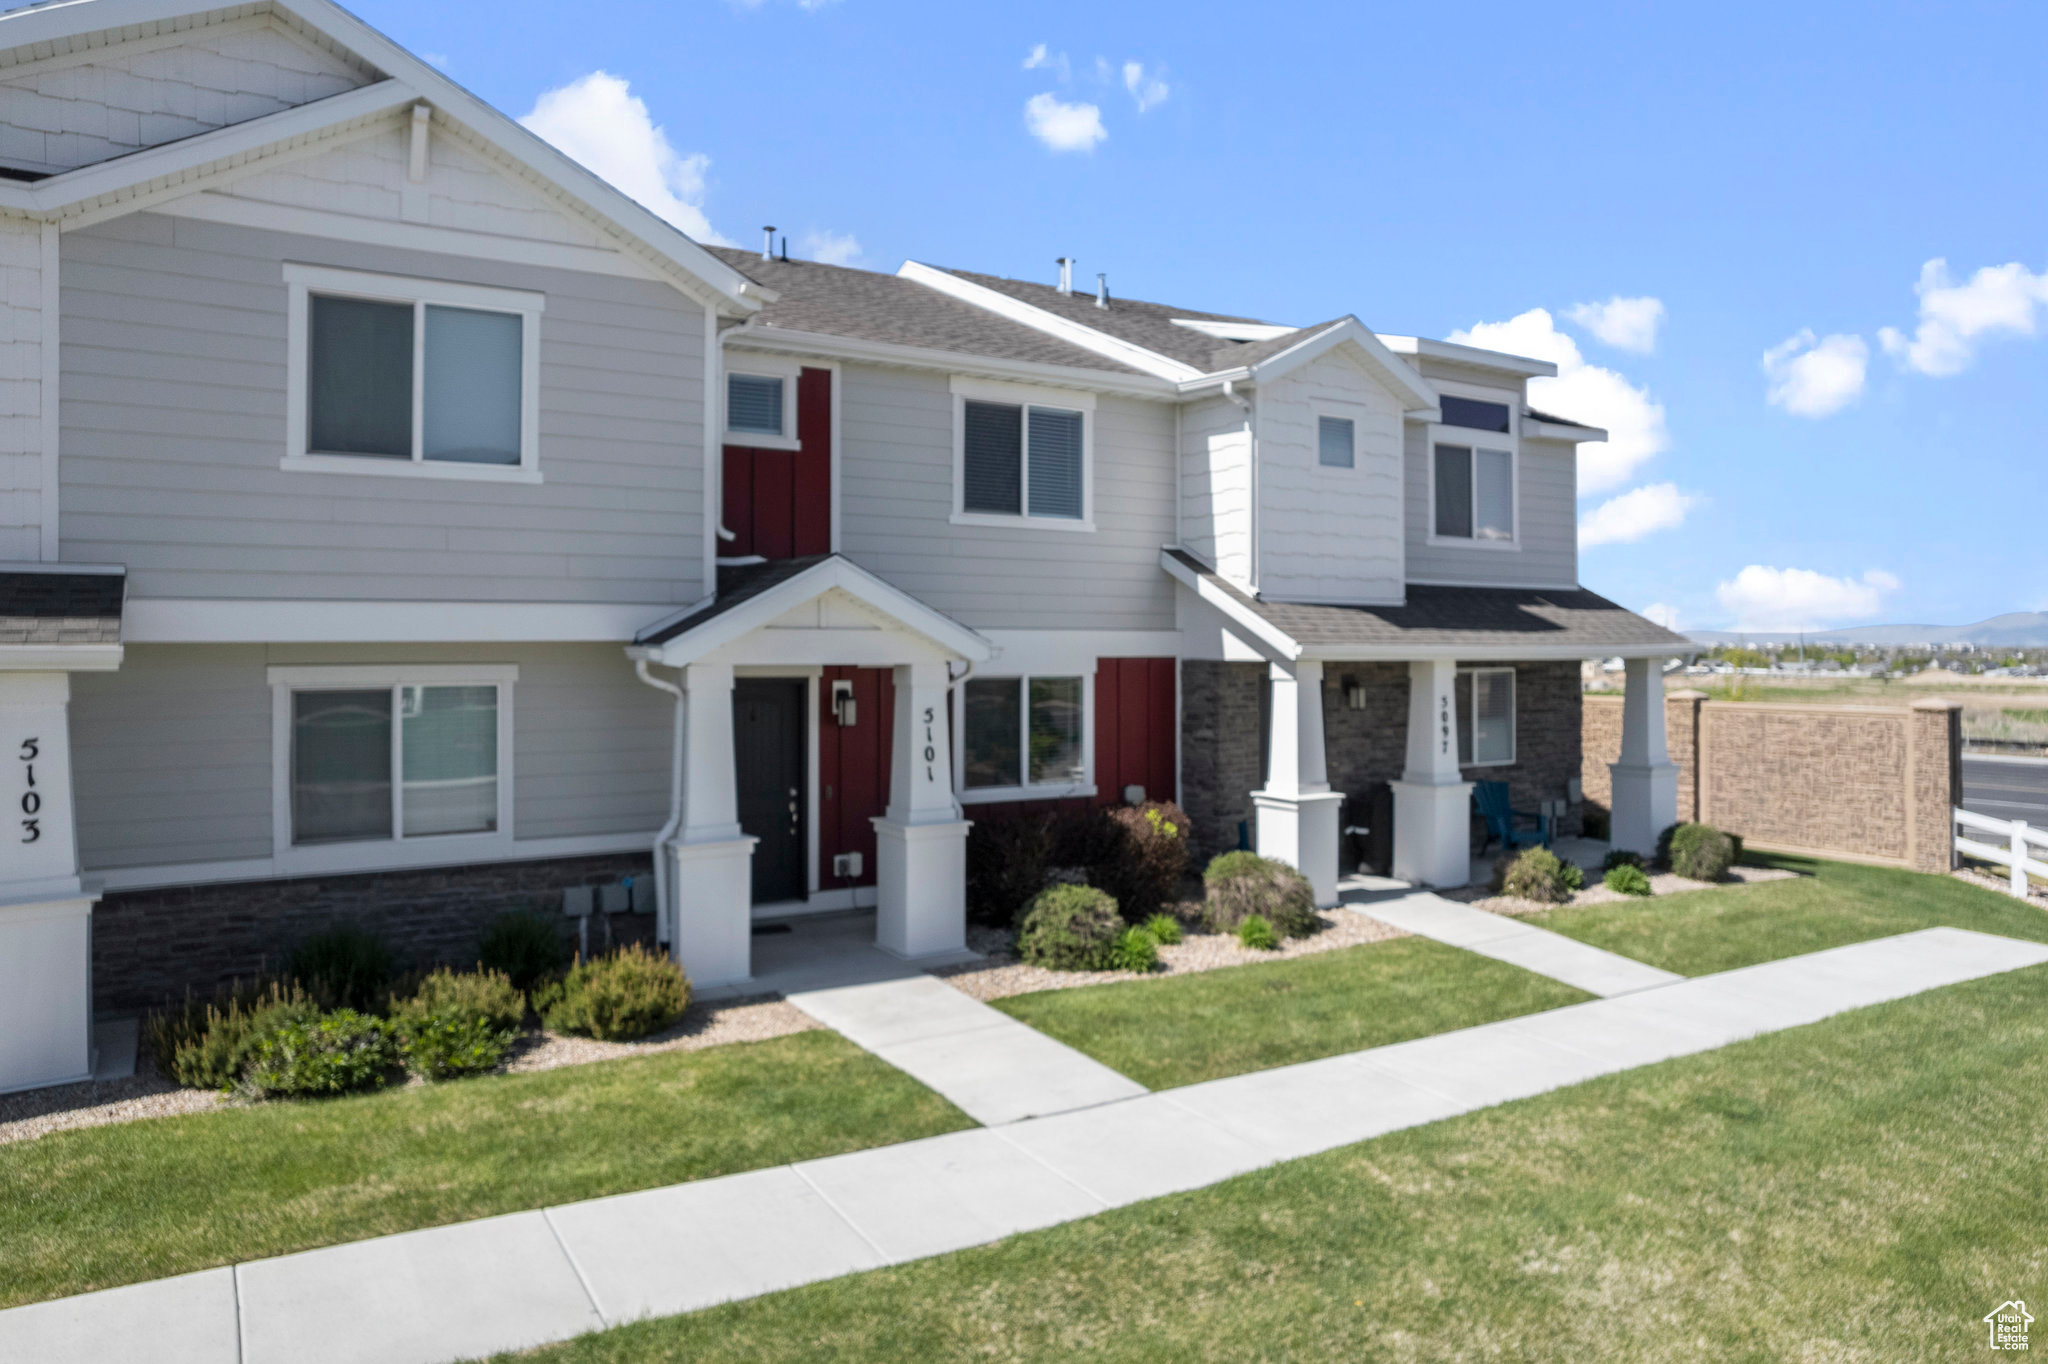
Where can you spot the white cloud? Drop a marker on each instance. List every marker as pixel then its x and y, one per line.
pixel 1149 89
pixel 830 248
pixel 1636 513
pixel 1587 393
pixel 599 121
pixel 1064 127
pixel 1762 598
pixel 1997 299
pixel 1040 58
pixel 1816 376
pixel 1624 323
pixel 1660 613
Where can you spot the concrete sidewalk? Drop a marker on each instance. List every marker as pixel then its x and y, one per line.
pixel 1592 969
pixel 504 1283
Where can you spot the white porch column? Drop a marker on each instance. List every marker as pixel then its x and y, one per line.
pixel 1297 810
pixel 713 867
pixel 45 917
pixel 1645 780
pixel 921 842
pixel 1432 804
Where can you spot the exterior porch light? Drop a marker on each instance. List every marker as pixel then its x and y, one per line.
pixel 844 708
pixel 1354 693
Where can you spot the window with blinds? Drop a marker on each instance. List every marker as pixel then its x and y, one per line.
pixel 1055 462
pixel 1336 440
pixel 1022 460
pixel 992 472
pixel 753 402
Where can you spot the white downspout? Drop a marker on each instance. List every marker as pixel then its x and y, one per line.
pixel 664 893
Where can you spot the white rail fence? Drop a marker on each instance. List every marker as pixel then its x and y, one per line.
pixel 2019 855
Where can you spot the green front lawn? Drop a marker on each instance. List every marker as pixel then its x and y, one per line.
pixel 112 1205
pixel 1181 1029
pixel 1860 1190
pixel 1833 903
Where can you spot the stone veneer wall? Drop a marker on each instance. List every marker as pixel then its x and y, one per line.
pixel 1219 749
pixel 153 945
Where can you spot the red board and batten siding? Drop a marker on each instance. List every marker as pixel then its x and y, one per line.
pixel 1136 722
pixel 853 770
pixel 778 503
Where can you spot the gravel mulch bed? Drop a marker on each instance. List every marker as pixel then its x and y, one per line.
pixel 1978 877
pixel 1003 974
pixel 753 1019
pixel 1661 883
pixel 38 1112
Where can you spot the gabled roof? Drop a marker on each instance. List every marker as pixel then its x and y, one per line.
pixel 60 604
pixel 69 23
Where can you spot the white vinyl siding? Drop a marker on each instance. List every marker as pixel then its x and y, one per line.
pixel 1328 534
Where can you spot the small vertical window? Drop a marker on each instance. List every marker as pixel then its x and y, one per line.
pixel 470 413
pixel 1486 711
pixel 1055 462
pixel 1335 442
pixel 989 734
pixel 1056 730
pixel 753 402
pixel 993 472
pixel 1493 495
pixel 1454 491
pixel 359 397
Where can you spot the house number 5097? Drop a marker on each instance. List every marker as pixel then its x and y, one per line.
pixel 31 799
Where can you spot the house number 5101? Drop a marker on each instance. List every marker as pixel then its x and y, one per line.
pixel 931 753
pixel 31 799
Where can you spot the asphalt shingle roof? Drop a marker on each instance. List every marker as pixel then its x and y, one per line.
pixel 737 584
pixel 42 607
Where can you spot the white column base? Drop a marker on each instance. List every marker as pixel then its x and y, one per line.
pixel 920 887
pixel 714 893
pixel 1433 833
pixel 1301 831
pixel 1645 804
pixel 45 994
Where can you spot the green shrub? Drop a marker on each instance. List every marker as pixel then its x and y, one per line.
pixel 1070 928
pixel 1143 860
pixel 631 993
pixel 1256 933
pixel 486 994
pixel 526 946
pixel 1134 950
pixel 1006 867
pixel 1574 876
pixel 1241 884
pixel 344 968
pixel 207 1045
pixel 441 1046
pixel 1164 928
pixel 1701 852
pixel 1620 857
pixel 337 1053
pixel 1627 878
pixel 1536 874
pixel 1663 857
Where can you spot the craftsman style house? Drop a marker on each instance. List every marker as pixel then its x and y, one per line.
pixel 400 524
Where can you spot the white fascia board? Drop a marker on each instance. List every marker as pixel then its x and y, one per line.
pixel 783 340
pixel 60 658
pixel 898 607
pixel 1398 374
pixel 1234 331
pixel 1570 431
pixel 1052 324
pixel 1500 362
pixel 1493 653
pixel 1271 635
pixel 166 620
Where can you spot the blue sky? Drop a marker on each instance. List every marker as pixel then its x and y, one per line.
pixel 1775 177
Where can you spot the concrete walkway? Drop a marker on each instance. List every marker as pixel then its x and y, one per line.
pixel 505 1283
pixel 1592 969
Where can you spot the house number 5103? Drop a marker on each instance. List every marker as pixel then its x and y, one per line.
pixel 31 799
pixel 931 753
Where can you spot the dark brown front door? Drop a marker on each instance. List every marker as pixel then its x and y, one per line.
pixel 768 748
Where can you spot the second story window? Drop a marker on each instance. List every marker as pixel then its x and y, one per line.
pixel 760 402
pixel 394 375
pixel 1336 442
pixel 1475 494
pixel 1024 461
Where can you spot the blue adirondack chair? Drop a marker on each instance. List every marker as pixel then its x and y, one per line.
pixel 1491 800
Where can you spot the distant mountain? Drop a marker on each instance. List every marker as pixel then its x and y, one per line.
pixel 2014 629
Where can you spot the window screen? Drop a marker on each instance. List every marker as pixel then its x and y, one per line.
pixel 993 477
pixel 1493 715
pixel 1474 415
pixel 991 732
pixel 1334 437
pixel 341 765
pixel 1055 463
pixel 1495 502
pixel 471 413
pixel 448 743
pixel 1454 491
pixel 1056 729
pixel 753 402
pixel 359 392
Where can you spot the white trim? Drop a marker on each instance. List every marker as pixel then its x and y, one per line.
pixel 1027 790
pixel 754 336
pixel 1518 587
pixel 339 676
pixel 1536 429
pixel 1026 397
pixel 51 372
pixel 377 467
pixel 1411 388
pixel 1228 603
pixel 1500 653
pixel 789 371
pixel 1234 331
pixel 266 868
pixel 1471 355
pixel 1471 730
pixel 712 514
pixel 1073 651
pixel 1038 319
pixel 60 658
pixel 168 620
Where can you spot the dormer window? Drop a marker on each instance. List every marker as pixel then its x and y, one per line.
pixel 1336 442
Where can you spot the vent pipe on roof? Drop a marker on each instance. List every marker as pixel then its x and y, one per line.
pixel 1102 291
pixel 1066 265
pixel 768 243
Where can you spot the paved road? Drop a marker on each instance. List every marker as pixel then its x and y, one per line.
pixel 2007 788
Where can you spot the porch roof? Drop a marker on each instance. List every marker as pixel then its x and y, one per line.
pixel 60 604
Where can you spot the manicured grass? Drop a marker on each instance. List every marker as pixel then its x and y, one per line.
pixel 1832 904
pixel 111 1205
pixel 1862 1189
pixel 1181 1029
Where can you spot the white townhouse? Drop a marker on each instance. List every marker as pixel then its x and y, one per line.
pixel 400 525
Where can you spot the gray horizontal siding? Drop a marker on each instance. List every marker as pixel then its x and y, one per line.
pixel 896 462
pixel 173 410
pixel 1549 556
pixel 171 755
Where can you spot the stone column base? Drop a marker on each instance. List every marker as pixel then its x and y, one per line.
pixel 1433 833
pixel 920 887
pixel 1645 804
pixel 1302 832
pixel 714 895
pixel 45 993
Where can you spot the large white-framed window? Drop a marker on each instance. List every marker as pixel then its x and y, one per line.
pixel 760 401
pixel 1486 738
pixel 378 766
pixel 1474 473
pixel 1025 737
pixel 1023 456
pixel 419 378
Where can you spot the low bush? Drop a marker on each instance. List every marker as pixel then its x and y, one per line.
pixel 442 1046
pixel 1007 861
pixel 631 993
pixel 1701 852
pixel 1134 950
pixel 1627 878
pixel 1256 933
pixel 482 993
pixel 527 947
pixel 1574 876
pixel 1070 928
pixel 1536 874
pixel 344 968
pixel 1164 928
pixel 1241 884
pixel 1620 857
pixel 1143 864
pixel 207 1044
pixel 336 1053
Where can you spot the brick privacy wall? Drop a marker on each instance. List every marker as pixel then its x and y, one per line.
pixel 1937 747
pixel 1219 751
pixel 153 945
pixel 1601 745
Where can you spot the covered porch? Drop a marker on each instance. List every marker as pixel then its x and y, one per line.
pixel 772 682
